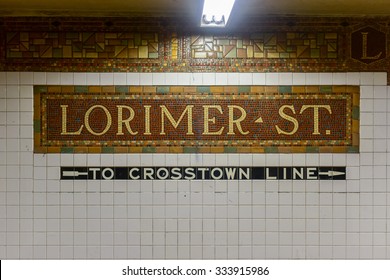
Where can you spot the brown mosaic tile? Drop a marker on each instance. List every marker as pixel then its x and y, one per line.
pixel 215 119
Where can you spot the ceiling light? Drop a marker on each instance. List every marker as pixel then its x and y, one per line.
pixel 216 13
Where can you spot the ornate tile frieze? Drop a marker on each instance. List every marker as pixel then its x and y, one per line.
pixel 271 44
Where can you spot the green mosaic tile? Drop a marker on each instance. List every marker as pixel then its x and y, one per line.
pixel 148 150
pixel 271 149
pixel 355 113
pixel 312 149
pixel 122 89
pixel 230 150
pixel 37 126
pixel 190 150
pixel 325 89
pixel 108 150
pixel 244 89
pixel 81 89
pixel 40 89
pixel 203 89
pixel 352 150
pixel 67 150
pixel 285 89
pixel 162 89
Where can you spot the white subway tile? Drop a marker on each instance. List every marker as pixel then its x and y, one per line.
pixel 367 78
pixel 221 78
pixel 339 78
pixel 12 78
pixel 158 79
pixel 93 79
pixel 12 105
pixel 13 131
pixel 3 131
pixel 271 78
pixel 26 105
pixel 106 79
pixel 380 105
pixel 3 91
pixel 120 79
pixel 26 78
pixel 133 79
pixel 171 79
pixel 184 79
pixel 80 79
pixel 13 91
pixel 299 79
pixel 326 78
pixel 245 79
pixel 380 78
pixel 285 78
pixel 312 78
pixel 196 79
pixel 53 78
pixel 259 78
pixel 208 79
pixel 39 78
pixel 233 78
pixel 26 92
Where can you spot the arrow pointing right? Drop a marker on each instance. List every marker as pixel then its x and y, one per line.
pixel 331 173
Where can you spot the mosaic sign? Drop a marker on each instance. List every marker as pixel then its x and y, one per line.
pixel 368 45
pixel 211 119
pixel 203 173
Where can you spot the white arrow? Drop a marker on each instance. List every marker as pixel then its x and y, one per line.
pixel 331 173
pixel 74 173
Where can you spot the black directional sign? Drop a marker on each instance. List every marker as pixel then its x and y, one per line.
pixel 204 173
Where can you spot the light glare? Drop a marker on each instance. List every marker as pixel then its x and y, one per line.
pixel 216 13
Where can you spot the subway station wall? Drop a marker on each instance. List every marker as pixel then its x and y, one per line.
pixel 43 217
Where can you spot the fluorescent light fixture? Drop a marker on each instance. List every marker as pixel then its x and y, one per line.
pixel 216 13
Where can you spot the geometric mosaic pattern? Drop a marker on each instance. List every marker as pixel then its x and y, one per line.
pixel 196 119
pixel 274 44
pixel 81 45
pixel 266 45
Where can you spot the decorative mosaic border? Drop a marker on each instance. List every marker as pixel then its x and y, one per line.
pixel 268 44
pixel 247 93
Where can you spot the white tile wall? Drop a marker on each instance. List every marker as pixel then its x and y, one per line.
pixel 42 217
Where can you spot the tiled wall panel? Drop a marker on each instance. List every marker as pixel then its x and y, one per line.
pixel 42 217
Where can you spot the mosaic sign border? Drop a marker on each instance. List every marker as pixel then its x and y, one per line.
pixel 348 144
